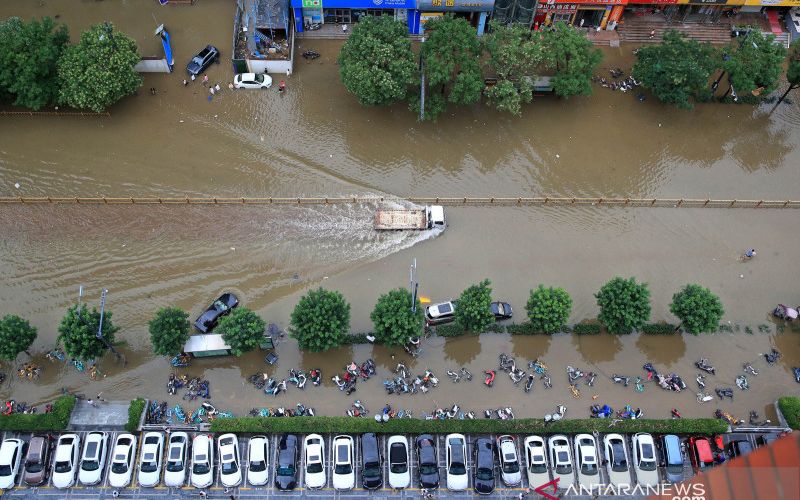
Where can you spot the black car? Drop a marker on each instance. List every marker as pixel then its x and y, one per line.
pixel 765 439
pixel 428 464
pixel 220 307
pixel 501 310
pixel 371 462
pixel 203 60
pixel 739 448
pixel 286 467
pixel 484 466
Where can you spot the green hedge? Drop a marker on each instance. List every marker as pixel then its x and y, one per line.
pixel 57 420
pixel 355 338
pixel 522 329
pixel 587 328
pixel 351 425
pixel 135 411
pixel 659 328
pixel 790 407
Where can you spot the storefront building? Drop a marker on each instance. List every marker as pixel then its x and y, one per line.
pixel 477 12
pixel 308 12
pixel 595 14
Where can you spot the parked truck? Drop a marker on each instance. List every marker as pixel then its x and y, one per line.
pixel 430 217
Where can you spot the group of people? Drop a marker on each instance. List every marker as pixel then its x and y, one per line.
pixel 212 89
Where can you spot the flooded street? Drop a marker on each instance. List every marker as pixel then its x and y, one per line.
pixel 316 140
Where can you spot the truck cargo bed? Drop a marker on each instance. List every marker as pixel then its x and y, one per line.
pixel 400 219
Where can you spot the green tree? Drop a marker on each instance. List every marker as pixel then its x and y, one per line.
pixel 549 309
pixel 29 53
pixel 320 320
pixel 376 62
pixel 78 332
pixel 573 57
pixel 169 331
pixel 677 70
pixel 698 309
pixel 624 305
pixel 792 71
pixel 242 329
pixel 514 54
pixel 98 71
pixel 473 310
pixel 755 64
pixel 16 335
pixel 451 57
pixel 394 321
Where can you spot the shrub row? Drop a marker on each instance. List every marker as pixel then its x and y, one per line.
pixel 57 420
pixel 351 425
pixel 527 328
pixel 790 407
pixel 355 338
pixel 587 328
pixel 660 328
pixel 135 411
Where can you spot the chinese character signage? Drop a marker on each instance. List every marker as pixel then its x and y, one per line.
pixel 312 4
pixel 456 5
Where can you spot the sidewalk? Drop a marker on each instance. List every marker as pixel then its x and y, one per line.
pixel 110 416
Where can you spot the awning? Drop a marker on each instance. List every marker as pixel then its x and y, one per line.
pixel 205 343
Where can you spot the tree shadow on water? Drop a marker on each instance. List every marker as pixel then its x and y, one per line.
pixel 530 347
pixel 597 348
pixel 462 350
pixel 661 349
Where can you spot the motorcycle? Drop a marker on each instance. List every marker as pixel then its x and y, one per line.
pixel 748 368
pixel 313 26
pixel 466 374
pixel 590 377
pixel 727 417
pixel 650 369
pixel 703 397
pixel 529 383
pixel 310 54
pixel 704 365
pixel 573 374
pixel 401 369
pixel 490 374
pixel 630 413
pixel 742 383
pixel 455 377
pixel 598 411
pixel 701 380
pixel 756 421
pixel 796 371
pixel 675 413
pixel 548 384
pixel 505 413
pixel 621 379
pixel 773 356
pixel 316 376
pixel 555 417
pixel 723 392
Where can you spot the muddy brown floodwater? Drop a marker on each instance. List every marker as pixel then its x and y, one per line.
pixel 316 140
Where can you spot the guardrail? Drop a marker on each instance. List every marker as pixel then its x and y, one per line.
pixel 52 113
pixel 451 201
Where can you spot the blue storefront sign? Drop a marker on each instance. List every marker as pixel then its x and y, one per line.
pixel 305 12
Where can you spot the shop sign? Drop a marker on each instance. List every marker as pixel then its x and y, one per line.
pixel 557 7
pixel 652 2
pixel 312 4
pixel 594 2
pixel 709 2
pixel 355 4
pixel 456 5
pixel 774 3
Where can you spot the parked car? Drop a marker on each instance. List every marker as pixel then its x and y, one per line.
pixel 220 307
pixel 371 462
pixel 152 456
pixel 739 448
pixel 94 458
pixel 344 476
pixel 536 458
pixel 202 475
pixel 561 460
pixel 257 466
pixel 314 448
pixel 122 456
pixel 203 60
pixel 673 458
pixel 501 310
pixel 509 461
pixel 399 474
pixel 427 462
pixel 586 460
pixel 175 468
pixel 617 460
pixel 483 478
pixel 37 461
pixel 439 314
pixel 286 468
pixel 252 81
pixel 65 464
pixel 456 472
pixel 700 453
pixel 644 459
pixel 10 460
pixel 230 474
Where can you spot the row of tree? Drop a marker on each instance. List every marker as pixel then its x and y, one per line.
pixel 39 68
pixel 679 70
pixel 378 66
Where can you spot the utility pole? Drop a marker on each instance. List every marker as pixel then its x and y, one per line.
pixel 421 82
pixel 413 288
pixel 99 335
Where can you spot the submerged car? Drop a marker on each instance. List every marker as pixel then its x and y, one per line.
pixel 122 457
pixel 203 60
pixel 202 475
pixel 286 468
pixel 252 81
pixel 427 462
pixel 257 453
pixel 220 307
pixel 501 310
pixel 483 479
pixel 10 460
pixel 150 459
pixel 65 464
pixel 93 459
pixel 399 474
pixel 536 458
pixel 616 460
pixel 314 448
pixel 456 471
pixel 175 469
pixel 344 476
pixel 644 459
pixel 371 462
pixel 37 461
pixel 230 474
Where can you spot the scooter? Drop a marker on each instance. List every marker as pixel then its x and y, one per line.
pixel 748 368
pixel 756 421
pixel 701 380
pixel 742 383
pixel 490 374
pixel 466 373
pixel 704 365
pixel 529 383
pixel 598 411
pixel 773 356
pixel 316 376
pixel 724 392
pixel 558 415
pixel 621 379
pixel 310 54
pixel 704 398
pixel 455 377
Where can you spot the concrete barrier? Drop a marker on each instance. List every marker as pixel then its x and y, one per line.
pixel 152 65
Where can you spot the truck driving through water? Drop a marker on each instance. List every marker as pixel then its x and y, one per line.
pixel 430 217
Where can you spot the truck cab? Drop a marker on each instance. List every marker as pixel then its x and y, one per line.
pixel 435 216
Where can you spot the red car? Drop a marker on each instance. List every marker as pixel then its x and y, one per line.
pixel 700 453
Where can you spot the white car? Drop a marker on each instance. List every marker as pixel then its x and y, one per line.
pixel 314 451
pixel 587 464
pixel 150 459
pixel 175 467
pixel 252 81
pixel 509 461
pixel 122 456
pixel 399 473
pixel 456 456
pixel 10 459
pixel 561 460
pixel 257 467
pixel 93 459
pixel 536 458
pixel 619 473
pixel 443 312
pixel 230 474
pixel 344 476
pixel 202 461
pixel 65 463
pixel 644 459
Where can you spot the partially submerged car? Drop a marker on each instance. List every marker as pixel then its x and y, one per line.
pixel 203 60
pixel 220 307
pixel 441 313
pixel 501 310
pixel 252 81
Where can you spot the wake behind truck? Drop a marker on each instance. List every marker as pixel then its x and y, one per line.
pixel 430 217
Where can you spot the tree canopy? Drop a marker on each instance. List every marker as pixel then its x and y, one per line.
pixel 514 54
pixel 16 335
pixel 169 331
pixel 473 310
pixel 29 53
pixel 549 309
pixel 393 319
pixel 677 70
pixel 320 320
pixel 78 332
pixel 376 63
pixel 242 329
pixel 755 63
pixel 572 56
pixel 698 309
pixel 98 71
pixel 624 305
pixel 792 71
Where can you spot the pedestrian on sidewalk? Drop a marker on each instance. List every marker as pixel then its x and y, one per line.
pixel 652 34
pixel 91 403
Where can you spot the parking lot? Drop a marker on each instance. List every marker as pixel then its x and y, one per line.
pixel 269 491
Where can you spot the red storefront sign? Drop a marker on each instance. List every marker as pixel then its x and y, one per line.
pixel 652 2
pixel 592 2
